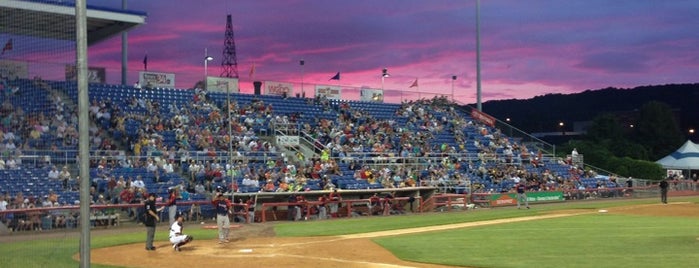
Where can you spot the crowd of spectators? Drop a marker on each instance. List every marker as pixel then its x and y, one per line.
pixel 185 140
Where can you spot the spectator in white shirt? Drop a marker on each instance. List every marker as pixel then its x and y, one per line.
pixel 53 173
pixel 11 163
pixel 3 203
pixel 10 145
pixel 138 183
pixel 9 136
pixel 168 167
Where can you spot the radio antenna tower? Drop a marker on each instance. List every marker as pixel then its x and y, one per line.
pixel 229 65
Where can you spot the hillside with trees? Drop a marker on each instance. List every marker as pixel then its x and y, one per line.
pixel 628 129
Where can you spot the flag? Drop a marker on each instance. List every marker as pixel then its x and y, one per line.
pixel 252 71
pixel 145 62
pixel 8 46
pixel 336 77
pixel 414 83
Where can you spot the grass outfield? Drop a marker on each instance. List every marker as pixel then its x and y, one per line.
pixel 592 240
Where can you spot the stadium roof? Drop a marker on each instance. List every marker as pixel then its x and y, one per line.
pixel 102 23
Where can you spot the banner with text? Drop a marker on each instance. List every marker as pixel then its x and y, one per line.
pixel 510 199
pixel 153 79
pixel 222 84
pixel 483 117
pixel 11 70
pixel 371 94
pixel 95 75
pixel 331 92
pixel 278 88
pixel 288 141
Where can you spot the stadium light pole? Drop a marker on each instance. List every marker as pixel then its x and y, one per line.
pixel 230 129
pixel 479 105
pixel 83 125
pixel 303 92
pixel 384 74
pixel 207 59
pixel 561 126
pixel 453 79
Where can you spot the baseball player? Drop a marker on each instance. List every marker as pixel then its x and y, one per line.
pixel 222 206
pixel 521 195
pixel 335 199
pixel 172 204
pixel 177 238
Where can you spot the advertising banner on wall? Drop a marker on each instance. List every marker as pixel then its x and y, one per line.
pixel 278 88
pixel 510 199
pixel 222 84
pixel 371 94
pixel 10 69
pixel 331 92
pixel 95 75
pixel 153 79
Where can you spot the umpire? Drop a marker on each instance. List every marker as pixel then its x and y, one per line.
pixel 663 191
pixel 150 219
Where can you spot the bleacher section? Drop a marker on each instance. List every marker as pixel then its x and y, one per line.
pixel 35 99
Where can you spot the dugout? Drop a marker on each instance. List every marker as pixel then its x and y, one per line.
pixel 271 206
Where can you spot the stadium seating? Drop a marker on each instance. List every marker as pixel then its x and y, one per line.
pixel 35 99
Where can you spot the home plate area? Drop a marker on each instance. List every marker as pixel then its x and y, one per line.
pixel 232 226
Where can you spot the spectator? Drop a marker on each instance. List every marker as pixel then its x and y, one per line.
pixel 53 173
pixel 11 163
pixel 64 176
pixel 138 183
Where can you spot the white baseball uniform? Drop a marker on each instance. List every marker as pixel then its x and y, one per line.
pixel 176 235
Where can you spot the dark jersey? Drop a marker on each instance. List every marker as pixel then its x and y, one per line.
pixel 221 206
pixel 149 220
pixel 521 188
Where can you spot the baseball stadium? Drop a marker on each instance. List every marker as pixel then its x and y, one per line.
pixel 305 175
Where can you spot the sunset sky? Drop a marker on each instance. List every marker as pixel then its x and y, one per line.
pixel 528 48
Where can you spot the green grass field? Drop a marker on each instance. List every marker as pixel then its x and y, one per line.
pixel 590 240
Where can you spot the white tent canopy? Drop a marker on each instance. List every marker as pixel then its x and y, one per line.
pixel 686 157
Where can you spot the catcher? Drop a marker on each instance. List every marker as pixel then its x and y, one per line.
pixel 177 238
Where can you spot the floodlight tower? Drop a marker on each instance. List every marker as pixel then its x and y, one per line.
pixel 229 64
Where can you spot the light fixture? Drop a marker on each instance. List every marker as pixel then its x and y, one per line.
pixel 207 58
pixel 384 73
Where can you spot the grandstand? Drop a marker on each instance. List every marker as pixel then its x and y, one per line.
pixel 199 140
pixel 449 135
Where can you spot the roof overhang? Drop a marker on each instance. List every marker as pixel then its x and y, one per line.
pixel 58 20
